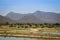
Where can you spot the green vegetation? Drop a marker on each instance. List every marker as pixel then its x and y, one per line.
pixel 30 25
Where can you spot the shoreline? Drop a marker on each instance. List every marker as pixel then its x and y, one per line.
pixel 27 36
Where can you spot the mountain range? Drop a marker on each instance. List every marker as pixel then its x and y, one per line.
pixel 36 17
pixel 4 19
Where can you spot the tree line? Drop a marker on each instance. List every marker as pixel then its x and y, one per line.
pixel 33 25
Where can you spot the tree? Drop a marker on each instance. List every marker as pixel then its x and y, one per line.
pixel 11 25
pixel 0 25
pixel 7 23
pixel 57 25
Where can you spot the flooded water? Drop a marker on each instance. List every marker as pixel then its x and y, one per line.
pixel 14 38
pixel 52 32
pixel 20 38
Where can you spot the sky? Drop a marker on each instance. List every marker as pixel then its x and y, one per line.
pixel 29 6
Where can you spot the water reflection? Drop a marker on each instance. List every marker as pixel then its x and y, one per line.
pixel 13 38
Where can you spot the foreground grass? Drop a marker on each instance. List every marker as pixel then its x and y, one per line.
pixel 57 29
pixel 17 32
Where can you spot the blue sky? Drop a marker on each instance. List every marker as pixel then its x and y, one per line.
pixel 29 6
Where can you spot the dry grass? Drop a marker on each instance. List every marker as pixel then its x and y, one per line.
pixel 14 31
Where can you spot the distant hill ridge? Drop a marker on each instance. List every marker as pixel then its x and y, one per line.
pixel 4 19
pixel 36 17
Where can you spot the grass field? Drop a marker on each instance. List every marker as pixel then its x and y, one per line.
pixel 29 32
